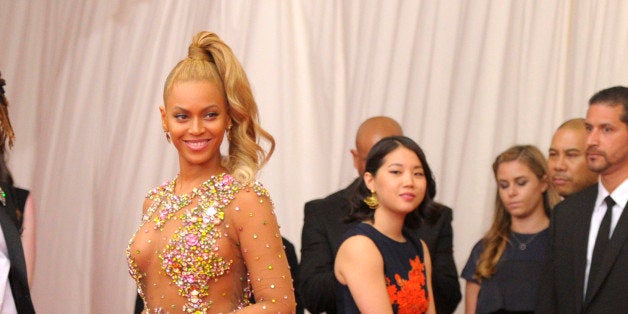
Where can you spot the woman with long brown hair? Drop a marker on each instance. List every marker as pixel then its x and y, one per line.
pixel 503 270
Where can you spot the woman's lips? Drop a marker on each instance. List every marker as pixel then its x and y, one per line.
pixel 196 145
pixel 407 196
pixel 513 205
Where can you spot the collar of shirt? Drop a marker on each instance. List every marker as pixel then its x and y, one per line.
pixel 619 195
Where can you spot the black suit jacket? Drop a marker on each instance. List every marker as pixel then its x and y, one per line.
pixel 322 233
pixel 17 273
pixel 562 284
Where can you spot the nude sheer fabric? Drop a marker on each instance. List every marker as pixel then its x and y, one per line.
pixel 213 259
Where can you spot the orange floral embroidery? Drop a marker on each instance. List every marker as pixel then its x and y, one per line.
pixel 410 297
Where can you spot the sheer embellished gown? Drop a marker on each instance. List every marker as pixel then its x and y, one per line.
pixel 209 250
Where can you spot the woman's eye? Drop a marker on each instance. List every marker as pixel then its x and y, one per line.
pixel 180 116
pixel 212 115
pixel 522 183
pixel 395 171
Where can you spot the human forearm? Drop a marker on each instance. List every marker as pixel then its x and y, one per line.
pixel 28 238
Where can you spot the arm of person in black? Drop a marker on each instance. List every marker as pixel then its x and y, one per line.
pixel 316 271
pixel 546 298
pixel 444 273
pixel 291 255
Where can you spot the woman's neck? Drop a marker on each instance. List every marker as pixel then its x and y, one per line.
pixel 533 223
pixel 191 177
pixel 389 224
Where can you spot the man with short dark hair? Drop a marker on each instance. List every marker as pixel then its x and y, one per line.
pixel 587 264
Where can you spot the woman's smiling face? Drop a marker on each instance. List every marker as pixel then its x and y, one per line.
pixel 400 181
pixel 196 115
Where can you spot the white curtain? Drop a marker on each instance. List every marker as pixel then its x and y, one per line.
pixel 466 79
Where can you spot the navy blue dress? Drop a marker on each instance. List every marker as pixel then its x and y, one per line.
pixel 514 286
pixel 403 268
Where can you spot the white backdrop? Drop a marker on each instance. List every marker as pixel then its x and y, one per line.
pixel 466 79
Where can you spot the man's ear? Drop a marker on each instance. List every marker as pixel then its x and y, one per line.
pixel 356 158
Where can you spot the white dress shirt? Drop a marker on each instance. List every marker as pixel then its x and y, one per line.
pixel 620 196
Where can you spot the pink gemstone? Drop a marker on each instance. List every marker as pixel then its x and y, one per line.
pixel 191 239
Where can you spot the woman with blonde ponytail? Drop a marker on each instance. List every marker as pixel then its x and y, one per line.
pixel 209 238
pixel 504 268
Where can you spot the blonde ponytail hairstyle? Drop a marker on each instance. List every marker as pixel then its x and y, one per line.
pixel 210 59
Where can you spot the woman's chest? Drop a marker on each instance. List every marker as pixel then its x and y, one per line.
pixel 192 245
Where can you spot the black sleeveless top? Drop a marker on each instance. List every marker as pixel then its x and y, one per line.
pixel 404 270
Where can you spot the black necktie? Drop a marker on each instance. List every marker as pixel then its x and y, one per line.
pixel 601 242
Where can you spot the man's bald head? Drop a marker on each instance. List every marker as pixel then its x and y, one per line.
pixel 567 163
pixel 573 124
pixel 370 132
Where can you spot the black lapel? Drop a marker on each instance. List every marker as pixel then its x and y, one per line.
pixel 616 242
pixel 12 239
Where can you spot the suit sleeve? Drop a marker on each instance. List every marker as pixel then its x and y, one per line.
pixel 293 261
pixel 316 271
pixel 444 273
pixel 546 299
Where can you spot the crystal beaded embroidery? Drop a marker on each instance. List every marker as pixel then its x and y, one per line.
pixel 191 257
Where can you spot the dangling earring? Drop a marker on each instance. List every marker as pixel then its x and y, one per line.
pixel 167 136
pixel 371 200
pixel 229 133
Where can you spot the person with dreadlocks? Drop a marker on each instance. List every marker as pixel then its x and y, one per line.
pixel 17 239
